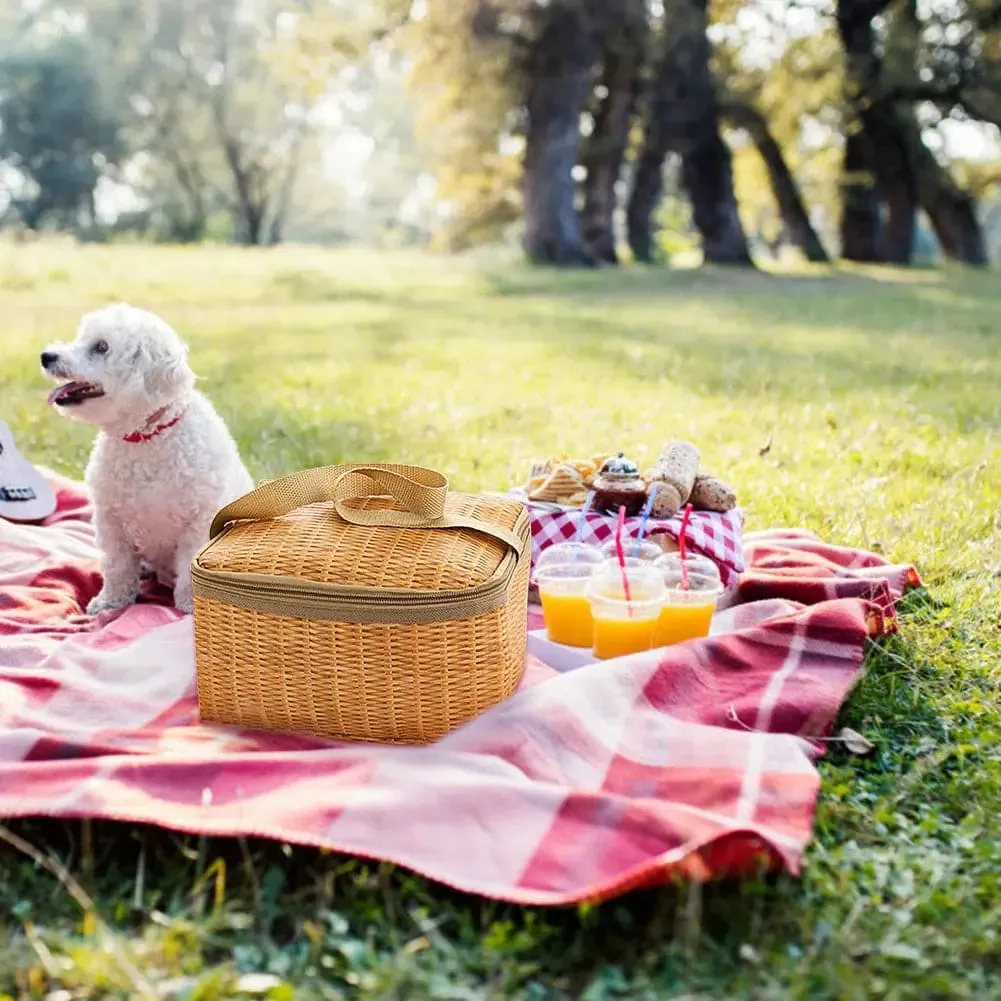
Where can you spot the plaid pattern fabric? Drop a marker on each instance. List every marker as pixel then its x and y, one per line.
pixel 581 786
pixel 717 536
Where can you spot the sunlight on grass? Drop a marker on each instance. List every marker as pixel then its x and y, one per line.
pixel 878 391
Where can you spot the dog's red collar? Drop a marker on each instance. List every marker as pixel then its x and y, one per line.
pixel 136 437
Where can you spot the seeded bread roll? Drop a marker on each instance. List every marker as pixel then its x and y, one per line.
pixel 665 502
pixel 710 494
pixel 673 478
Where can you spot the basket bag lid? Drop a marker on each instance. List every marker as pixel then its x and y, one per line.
pixel 393 527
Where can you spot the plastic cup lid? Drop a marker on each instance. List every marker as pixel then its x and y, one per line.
pixel 569 552
pixel 645 550
pixel 670 566
pixel 645 584
pixel 564 571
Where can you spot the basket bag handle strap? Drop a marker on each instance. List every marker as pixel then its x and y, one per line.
pixel 412 518
pixel 421 491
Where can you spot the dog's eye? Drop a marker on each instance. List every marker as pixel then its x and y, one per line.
pixel 99 348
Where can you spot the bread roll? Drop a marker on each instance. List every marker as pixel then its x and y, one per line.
pixel 675 472
pixel 710 494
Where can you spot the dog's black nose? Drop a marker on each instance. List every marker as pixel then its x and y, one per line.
pixel 49 358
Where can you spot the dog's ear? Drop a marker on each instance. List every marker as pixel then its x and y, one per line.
pixel 163 367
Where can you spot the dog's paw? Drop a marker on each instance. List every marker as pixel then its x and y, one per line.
pixel 107 603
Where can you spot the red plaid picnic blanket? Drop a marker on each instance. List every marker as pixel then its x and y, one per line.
pixel 581 786
pixel 717 536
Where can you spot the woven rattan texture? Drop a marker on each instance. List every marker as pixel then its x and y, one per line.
pixel 313 543
pixel 407 684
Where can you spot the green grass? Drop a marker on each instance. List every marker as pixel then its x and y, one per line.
pixel 879 393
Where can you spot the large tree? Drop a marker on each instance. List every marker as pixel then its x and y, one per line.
pixel 462 56
pixel 795 218
pixel 682 117
pixel 58 130
pixel 504 74
pixel 879 143
pixel 769 103
pixel 254 119
pixel 888 153
pixel 221 97
pixel 861 202
pixel 952 60
pixel 559 64
pixel 624 51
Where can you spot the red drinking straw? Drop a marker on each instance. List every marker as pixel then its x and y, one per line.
pixel 682 546
pixel 620 552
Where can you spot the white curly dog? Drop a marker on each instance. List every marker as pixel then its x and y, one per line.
pixel 164 462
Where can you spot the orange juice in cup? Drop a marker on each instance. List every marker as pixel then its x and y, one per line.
pixel 624 625
pixel 566 611
pixel 561 575
pixel 687 611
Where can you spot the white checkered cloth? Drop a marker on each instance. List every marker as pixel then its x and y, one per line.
pixel 717 536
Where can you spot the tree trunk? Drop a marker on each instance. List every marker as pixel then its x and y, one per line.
pixel 885 148
pixel 32 213
pixel 860 221
pixel 284 202
pixel 253 227
pixel 904 28
pixel 950 210
pixel 707 175
pixel 906 170
pixel 683 118
pixel 648 185
pixel 191 227
pixel 249 211
pixel 954 219
pixel 901 225
pixel 560 78
pixel 607 143
pixel 895 175
pixel 795 220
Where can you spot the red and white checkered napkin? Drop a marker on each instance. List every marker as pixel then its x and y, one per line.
pixel 718 536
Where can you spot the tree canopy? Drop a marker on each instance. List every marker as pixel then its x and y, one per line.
pixel 60 132
pixel 587 128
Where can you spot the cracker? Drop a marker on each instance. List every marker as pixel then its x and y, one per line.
pixel 563 481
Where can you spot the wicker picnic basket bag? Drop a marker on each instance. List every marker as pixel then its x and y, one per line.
pixel 361 602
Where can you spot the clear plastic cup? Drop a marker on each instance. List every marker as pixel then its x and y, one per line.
pixel 686 613
pixel 671 562
pixel 630 561
pixel 645 551
pixel 623 626
pixel 566 610
pixel 568 552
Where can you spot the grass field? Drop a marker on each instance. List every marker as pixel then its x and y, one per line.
pixel 879 393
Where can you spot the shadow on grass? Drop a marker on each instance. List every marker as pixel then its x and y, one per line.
pixel 651 281
pixel 316 286
pixel 723 346
pixel 527 282
pixel 365 914
pixel 736 338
